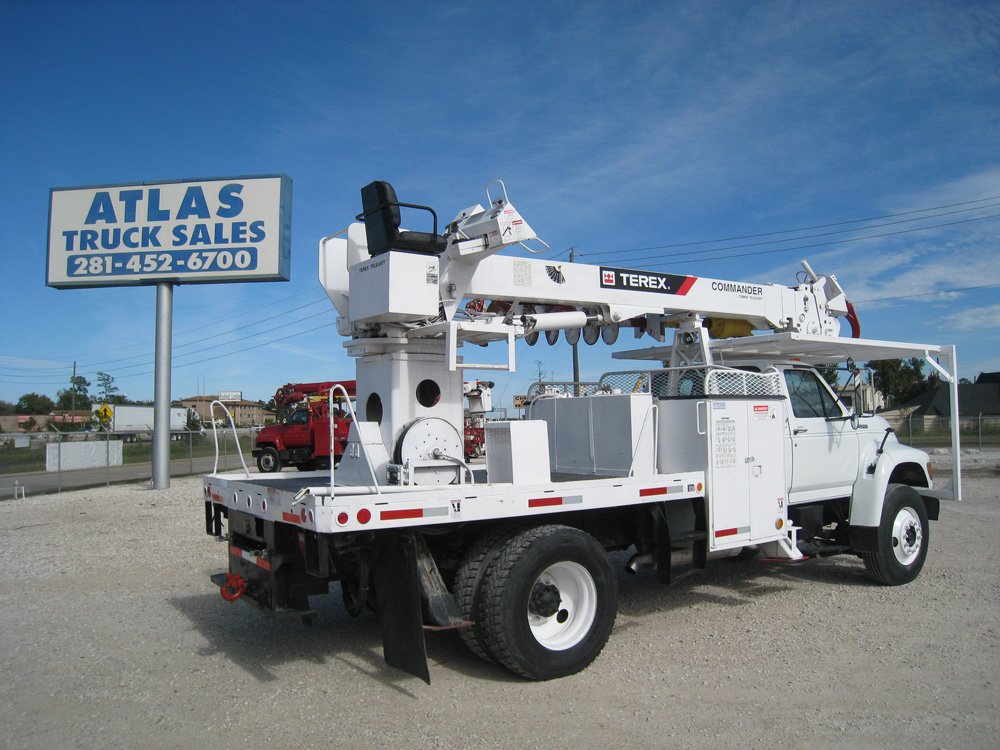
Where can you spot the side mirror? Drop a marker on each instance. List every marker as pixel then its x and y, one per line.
pixel 855 420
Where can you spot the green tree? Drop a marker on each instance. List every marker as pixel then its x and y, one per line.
pixel 830 373
pixel 32 403
pixel 7 408
pixel 901 380
pixel 76 396
pixel 108 392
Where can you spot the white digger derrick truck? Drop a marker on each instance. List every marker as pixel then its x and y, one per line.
pixel 726 446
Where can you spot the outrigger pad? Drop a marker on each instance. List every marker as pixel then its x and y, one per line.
pixel 397 589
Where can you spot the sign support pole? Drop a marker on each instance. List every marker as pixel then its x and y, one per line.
pixel 161 386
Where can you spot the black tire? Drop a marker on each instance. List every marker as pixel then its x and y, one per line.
pixel 268 460
pixel 903 536
pixel 549 602
pixel 467 587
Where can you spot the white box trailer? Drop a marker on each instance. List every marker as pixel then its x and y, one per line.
pixel 136 422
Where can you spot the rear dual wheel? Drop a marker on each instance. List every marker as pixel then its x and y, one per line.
pixel 545 604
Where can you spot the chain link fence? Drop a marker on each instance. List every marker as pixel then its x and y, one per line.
pixel 980 431
pixel 54 461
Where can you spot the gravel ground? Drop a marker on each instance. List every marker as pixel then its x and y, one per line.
pixel 112 636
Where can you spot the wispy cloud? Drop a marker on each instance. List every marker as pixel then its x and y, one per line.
pixel 973 318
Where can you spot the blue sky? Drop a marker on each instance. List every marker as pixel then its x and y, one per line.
pixel 616 126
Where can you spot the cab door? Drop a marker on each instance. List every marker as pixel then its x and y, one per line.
pixel 824 446
pixel 296 433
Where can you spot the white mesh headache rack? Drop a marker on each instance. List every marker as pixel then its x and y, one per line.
pixel 693 382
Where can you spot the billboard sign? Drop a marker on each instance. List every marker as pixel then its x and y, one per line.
pixel 181 231
pixel 230 395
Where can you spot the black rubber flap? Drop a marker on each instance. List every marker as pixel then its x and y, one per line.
pixel 397 588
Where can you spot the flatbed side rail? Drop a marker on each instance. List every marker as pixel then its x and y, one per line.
pixel 215 437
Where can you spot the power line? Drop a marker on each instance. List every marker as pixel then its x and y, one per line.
pixel 809 229
pixel 240 351
pixel 196 342
pixel 926 294
pixel 189 343
pixel 823 244
pixel 184 332
pixel 57 379
pixel 795 231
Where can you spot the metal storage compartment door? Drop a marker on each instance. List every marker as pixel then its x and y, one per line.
pixel 746 473
pixel 598 435
pixel 727 474
pixel 768 500
pixel 622 426
pixel 739 444
pixel 682 443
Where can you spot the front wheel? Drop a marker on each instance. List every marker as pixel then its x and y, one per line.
pixel 549 602
pixel 269 461
pixel 903 535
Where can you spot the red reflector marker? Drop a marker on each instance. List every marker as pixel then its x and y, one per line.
pixel 397 515
pixel 544 502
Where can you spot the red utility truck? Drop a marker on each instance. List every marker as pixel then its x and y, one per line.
pixel 303 439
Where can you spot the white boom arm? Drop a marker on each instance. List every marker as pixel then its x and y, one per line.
pixel 422 296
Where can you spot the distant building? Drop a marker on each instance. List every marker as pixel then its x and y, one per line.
pixel 871 399
pixel 244 412
pixel 42 422
pixel 931 409
pixel 981 397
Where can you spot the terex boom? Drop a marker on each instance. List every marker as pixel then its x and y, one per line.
pixel 728 443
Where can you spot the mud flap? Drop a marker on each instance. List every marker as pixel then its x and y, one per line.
pixel 397 589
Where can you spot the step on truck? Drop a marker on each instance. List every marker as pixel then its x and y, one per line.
pixel 725 440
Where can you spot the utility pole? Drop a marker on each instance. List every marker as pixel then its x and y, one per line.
pixel 576 355
pixel 72 396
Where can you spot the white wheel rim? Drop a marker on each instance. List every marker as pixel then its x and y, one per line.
pixel 577 607
pixel 907 536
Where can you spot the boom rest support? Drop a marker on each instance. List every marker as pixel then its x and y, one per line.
pixel 381 217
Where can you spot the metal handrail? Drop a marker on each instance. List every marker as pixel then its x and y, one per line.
pixel 215 437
